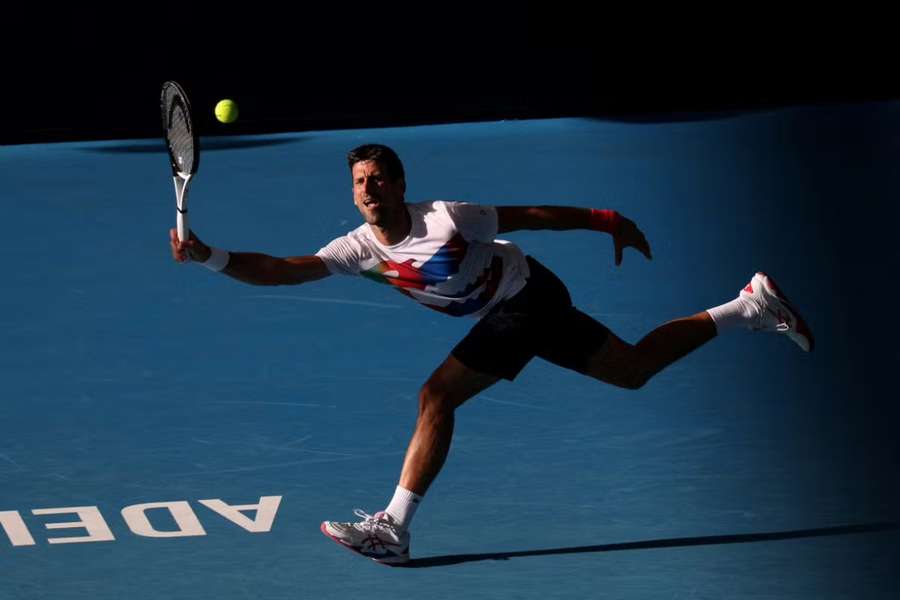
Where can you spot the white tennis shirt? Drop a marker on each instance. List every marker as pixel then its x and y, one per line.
pixel 449 262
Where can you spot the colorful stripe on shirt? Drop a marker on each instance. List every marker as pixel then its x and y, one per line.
pixel 438 269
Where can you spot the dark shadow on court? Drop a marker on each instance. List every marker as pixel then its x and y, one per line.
pixel 676 117
pixel 206 145
pixel 455 559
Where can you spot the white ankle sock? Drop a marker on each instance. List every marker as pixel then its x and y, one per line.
pixel 740 312
pixel 403 506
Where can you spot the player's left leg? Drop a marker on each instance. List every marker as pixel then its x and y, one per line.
pixel 632 365
pixel 760 306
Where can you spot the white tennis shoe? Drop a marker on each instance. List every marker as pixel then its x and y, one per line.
pixel 375 537
pixel 775 312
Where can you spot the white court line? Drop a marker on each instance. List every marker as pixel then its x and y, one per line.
pixel 286 464
pixel 283 448
pixel 521 404
pixel 303 404
pixel 11 461
pixel 327 300
pixel 363 378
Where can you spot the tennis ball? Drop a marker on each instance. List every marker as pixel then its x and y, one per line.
pixel 227 111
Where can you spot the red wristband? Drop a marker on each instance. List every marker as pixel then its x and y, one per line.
pixel 605 220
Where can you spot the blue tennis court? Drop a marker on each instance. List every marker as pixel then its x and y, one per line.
pixel 145 402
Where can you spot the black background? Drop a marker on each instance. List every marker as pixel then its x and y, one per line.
pixel 95 73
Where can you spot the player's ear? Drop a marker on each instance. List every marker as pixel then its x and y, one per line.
pixel 403 185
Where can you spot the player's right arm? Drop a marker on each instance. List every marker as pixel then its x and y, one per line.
pixel 253 267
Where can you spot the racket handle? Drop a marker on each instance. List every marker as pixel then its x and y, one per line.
pixel 181 196
pixel 184 230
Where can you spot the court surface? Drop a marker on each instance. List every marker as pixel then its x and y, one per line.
pixel 748 470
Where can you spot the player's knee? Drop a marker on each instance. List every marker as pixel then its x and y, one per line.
pixel 629 377
pixel 634 381
pixel 434 401
pixel 635 376
pixel 628 371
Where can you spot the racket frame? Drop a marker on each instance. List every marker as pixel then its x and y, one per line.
pixel 182 179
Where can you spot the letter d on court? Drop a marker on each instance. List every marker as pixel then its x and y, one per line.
pixel 188 524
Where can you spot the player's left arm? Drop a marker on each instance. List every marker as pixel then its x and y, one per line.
pixel 624 231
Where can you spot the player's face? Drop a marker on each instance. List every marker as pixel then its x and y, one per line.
pixel 378 198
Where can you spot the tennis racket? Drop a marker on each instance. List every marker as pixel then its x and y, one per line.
pixel 183 145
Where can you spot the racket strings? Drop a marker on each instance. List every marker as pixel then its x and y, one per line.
pixel 179 131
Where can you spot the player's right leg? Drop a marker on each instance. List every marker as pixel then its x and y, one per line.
pixel 384 536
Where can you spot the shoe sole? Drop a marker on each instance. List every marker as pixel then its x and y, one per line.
pixel 802 336
pixel 388 562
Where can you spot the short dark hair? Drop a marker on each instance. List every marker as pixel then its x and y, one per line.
pixel 380 153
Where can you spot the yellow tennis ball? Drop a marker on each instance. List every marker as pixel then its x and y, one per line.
pixel 227 111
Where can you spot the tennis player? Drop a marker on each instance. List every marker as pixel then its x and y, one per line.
pixel 446 255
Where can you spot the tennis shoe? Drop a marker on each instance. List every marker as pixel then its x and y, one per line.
pixel 775 312
pixel 376 537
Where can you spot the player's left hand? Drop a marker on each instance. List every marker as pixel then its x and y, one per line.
pixel 628 234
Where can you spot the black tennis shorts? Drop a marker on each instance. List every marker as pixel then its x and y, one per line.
pixel 538 321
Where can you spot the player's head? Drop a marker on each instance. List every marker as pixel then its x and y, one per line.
pixel 380 153
pixel 379 185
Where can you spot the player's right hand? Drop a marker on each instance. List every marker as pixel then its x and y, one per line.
pixel 190 249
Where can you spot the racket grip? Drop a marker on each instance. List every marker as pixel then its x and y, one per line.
pixel 184 230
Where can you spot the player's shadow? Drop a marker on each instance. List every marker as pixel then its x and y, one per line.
pixel 455 559
pixel 206 145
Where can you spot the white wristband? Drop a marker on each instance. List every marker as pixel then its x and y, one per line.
pixel 218 259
